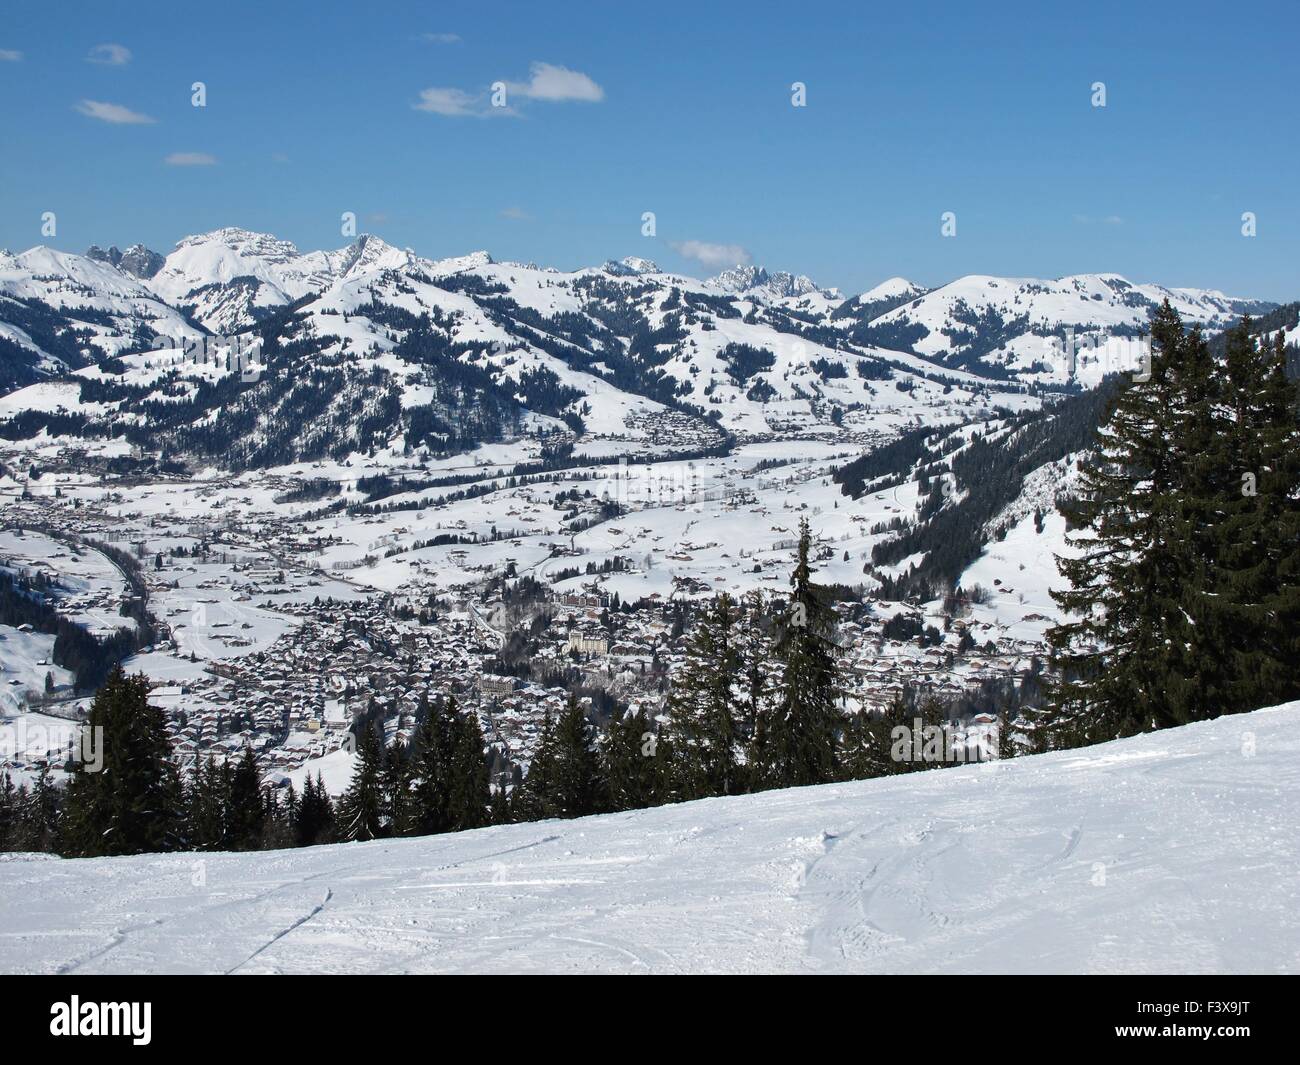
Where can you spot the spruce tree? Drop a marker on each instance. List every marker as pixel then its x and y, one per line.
pixel 8 813
pixel 468 796
pixel 754 665
pixel 1127 655
pixel 577 770
pixel 868 741
pixel 536 796
pixel 434 743
pixel 631 762
pixel 564 778
pixel 361 808
pixel 40 816
pixel 395 783
pixel 797 739
pixel 315 821
pixel 130 805
pixel 205 806
pixel 1184 599
pixel 702 708
pixel 245 819
pixel 1257 542
pixel 500 812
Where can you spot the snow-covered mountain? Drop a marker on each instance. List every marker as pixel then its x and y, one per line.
pixel 370 347
pixel 60 311
pixel 230 279
pixel 1007 326
pixel 881 299
pixel 1126 857
pixel 756 281
pixel 137 260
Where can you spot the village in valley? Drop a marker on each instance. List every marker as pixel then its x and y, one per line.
pixel 275 626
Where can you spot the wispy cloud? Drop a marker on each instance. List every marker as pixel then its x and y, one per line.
pixel 547 83
pixel 114 113
pixel 110 55
pixel 190 159
pixel 557 84
pixel 713 256
pixel 454 103
pixel 516 214
pixel 10 55
pixel 1109 220
pixel 440 38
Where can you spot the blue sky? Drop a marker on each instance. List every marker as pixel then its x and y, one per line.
pixel 685 110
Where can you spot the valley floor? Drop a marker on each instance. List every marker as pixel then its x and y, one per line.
pixel 1172 852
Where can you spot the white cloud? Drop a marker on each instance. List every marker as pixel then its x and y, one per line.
pixel 440 38
pixel 1109 220
pixel 114 113
pixel 190 159
pixel 516 214
pixel 110 55
pixel 10 55
pixel 557 84
pixel 456 103
pixel 547 83
pixel 714 256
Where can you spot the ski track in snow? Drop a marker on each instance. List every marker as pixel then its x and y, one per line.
pixel 1174 852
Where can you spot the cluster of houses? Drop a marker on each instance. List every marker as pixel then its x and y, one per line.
pixel 294 700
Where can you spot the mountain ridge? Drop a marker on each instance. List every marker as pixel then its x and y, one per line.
pixel 597 352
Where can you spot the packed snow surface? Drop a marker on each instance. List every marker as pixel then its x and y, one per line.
pixel 1171 852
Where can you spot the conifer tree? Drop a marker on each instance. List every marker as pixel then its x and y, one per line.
pixel 500 812
pixel 797 739
pixel 1256 544
pixel 8 813
pixel 702 708
pixel 1188 571
pixel 468 795
pixel 631 762
pixel 315 821
pixel 40 816
pixel 361 808
pixel 205 807
pixel 535 799
pixel 282 817
pixel 434 743
pixel 577 771
pixel 245 818
pixel 564 778
pixel 1126 653
pixel 395 783
pixel 868 741
pixel 129 805
pixel 754 665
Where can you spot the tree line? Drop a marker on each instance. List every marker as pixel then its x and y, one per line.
pixel 1184 595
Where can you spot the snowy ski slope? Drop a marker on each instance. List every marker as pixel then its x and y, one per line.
pixel 1172 852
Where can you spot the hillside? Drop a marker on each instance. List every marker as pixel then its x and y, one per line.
pixel 370 348
pixel 1004 326
pixel 59 312
pixel 1172 852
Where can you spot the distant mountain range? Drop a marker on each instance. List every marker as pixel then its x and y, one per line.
pixel 373 347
